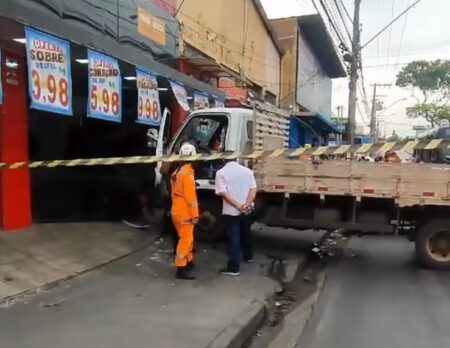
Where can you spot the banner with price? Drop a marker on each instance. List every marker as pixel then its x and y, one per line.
pixel 181 95
pixel 105 87
pixel 149 111
pixel 49 74
pixel 200 101
pixel 219 103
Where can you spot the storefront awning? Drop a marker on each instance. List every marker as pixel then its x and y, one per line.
pixel 317 122
pixel 36 15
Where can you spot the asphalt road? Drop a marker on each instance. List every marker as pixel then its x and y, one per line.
pixel 380 299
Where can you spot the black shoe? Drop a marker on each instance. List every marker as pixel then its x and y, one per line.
pixel 249 260
pixel 190 266
pixel 229 272
pixel 183 273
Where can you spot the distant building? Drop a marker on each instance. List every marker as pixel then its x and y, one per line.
pixel 309 64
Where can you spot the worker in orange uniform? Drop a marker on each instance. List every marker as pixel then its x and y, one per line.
pixel 184 212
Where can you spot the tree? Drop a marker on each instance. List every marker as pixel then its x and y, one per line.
pixel 432 79
pixel 394 137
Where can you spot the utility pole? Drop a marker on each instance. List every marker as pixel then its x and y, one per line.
pixel 340 112
pixel 356 50
pixel 373 114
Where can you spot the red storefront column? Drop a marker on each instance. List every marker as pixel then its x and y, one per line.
pixel 15 202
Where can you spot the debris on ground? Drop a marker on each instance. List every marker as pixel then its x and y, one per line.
pixel 8 279
pixel 329 244
pixel 279 289
pixel 51 305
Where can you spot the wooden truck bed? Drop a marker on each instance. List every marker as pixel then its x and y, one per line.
pixel 407 184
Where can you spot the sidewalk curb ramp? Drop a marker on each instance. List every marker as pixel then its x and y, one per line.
pixel 242 328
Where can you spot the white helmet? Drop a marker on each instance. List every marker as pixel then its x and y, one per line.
pixel 187 149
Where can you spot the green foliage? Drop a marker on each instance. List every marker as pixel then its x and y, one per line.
pixel 432 112
pixel 394 138
pixel 432 78
pixel 427 76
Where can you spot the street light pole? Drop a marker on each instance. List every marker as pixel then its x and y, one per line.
pixel 373 116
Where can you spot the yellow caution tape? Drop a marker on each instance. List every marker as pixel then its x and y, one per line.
pixel 255 155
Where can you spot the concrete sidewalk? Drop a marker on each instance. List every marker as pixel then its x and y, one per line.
pixel 49 252
pixel 136 302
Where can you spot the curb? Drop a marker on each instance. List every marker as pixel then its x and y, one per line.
pixel 292 268
pixel 242 329
pixel 295 323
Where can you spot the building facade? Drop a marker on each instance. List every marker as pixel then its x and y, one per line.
pixel 309 63
pixel 230 44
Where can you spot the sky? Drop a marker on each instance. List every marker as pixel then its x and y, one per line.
pixel 423 34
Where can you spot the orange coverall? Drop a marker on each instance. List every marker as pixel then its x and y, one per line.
pixel 184 211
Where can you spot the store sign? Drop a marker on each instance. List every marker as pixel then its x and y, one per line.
pixel 200 101
pixel 149 110
pixel 105 87
pixel 219 103
pixel 49 74
pixel 151 27
pixel 180 94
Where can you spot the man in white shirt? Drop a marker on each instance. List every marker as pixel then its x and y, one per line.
pixel 237 186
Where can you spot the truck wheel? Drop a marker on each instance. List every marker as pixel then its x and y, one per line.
pixel 433 244
pixel 215 232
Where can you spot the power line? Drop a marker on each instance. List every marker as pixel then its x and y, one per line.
pixel 402 35
pixel 390 31
pixel 333 25
pixel 346 11
pixel 179 8
pixel 383 65
pixel 378 38
pixel 390 23
pixel 341 15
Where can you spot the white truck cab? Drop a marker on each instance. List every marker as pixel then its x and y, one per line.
pixel 216 130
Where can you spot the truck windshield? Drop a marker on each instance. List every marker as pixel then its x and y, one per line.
pixel 206 132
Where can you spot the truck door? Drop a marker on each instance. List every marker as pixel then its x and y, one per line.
pixel 247 136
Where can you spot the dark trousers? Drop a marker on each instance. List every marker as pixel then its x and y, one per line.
pixel 239 240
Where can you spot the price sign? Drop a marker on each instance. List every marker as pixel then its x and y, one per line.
pixel 105 87
pixel 200 101
pixel 180 94
pixel 219 103
pixel 49 74
pixel 149 110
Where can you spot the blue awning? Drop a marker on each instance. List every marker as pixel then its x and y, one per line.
pixel 319 123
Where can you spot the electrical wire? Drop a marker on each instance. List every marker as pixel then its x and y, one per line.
pixel 390 31
pixel 402 35
pixel 344 22
pixel 346 11
pixel 378 38
pixel 332 11
pixel 333 24
pixel 179 8
pixel 390 23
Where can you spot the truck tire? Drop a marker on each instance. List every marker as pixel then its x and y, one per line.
pixel 432 244
pixel 215 232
